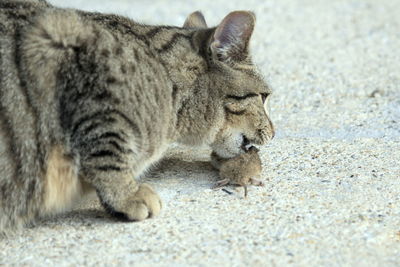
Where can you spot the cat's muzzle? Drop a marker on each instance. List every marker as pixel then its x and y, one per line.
pixel 245 143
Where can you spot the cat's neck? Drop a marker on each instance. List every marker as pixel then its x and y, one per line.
pixel 184 57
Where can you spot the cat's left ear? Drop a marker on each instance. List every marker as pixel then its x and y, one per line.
pixel 195 20
pixel 232 36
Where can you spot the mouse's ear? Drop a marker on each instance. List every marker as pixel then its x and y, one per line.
pixel 253 148
pixel 195 20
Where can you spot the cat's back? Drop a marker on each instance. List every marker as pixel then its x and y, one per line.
pixel 14 13
pixel 14 16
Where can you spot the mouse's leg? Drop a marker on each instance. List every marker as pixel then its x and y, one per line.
pixel 221 183
pixel 245 190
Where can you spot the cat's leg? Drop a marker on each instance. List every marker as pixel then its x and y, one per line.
pixel 110 162
pixel 122 196
pixel 129 200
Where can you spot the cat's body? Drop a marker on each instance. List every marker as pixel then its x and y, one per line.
pixel 89 100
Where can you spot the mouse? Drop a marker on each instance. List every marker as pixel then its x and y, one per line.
pixel 240 170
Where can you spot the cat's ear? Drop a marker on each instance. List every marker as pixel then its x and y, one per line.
pixel 232 36
pixel 195 20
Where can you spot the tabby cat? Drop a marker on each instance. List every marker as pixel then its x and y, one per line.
pixel 89 101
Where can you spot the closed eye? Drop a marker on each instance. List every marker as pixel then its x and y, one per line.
pixel 236 97
pixel 240 112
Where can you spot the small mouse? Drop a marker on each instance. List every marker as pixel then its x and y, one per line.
pixel 239 170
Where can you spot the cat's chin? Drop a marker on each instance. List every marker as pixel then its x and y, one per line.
pixel 228 153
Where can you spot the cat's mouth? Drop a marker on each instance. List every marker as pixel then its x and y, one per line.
pixel 246 144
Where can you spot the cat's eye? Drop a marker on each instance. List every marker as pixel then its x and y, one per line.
pixel 235 112
pixel 264 97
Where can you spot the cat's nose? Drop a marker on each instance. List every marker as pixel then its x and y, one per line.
pixel 266 135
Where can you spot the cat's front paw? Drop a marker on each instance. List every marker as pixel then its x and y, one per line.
pixel 145 203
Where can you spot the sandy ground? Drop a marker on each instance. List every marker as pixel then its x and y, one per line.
pixel 333 190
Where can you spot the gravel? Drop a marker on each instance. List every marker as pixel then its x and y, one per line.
pixel 332 172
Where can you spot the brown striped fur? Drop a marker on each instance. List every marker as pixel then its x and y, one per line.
pixel 93 100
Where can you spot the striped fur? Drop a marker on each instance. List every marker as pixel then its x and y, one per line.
pixel 93 100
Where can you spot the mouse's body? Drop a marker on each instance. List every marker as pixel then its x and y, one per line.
pixel 240 170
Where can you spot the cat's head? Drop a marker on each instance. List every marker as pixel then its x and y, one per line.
pixel 243 93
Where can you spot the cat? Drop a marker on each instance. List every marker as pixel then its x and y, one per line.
pixel 89 101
